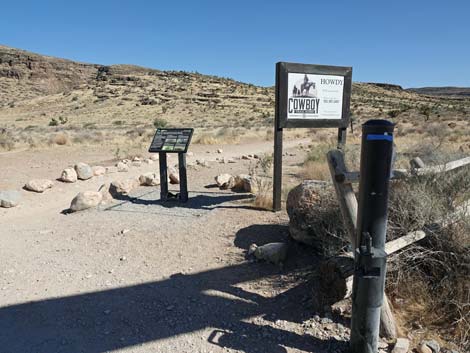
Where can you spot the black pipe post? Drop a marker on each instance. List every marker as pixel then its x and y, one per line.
pixel 370 256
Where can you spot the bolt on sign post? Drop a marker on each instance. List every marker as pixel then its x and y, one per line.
pixel 370 256
pixel 309 96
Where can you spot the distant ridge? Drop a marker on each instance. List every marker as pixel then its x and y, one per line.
pixel 442 91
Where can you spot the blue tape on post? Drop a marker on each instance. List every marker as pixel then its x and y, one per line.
pixel 375 137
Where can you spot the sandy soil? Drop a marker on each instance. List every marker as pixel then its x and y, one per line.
pixel 141 276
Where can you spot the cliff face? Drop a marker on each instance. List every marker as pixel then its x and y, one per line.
pixel 38 75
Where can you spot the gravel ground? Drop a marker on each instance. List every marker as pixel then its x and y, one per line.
pixel 139 275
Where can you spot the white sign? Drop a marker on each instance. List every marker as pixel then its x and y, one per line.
pixel 311 96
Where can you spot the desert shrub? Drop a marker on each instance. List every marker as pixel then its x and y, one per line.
pixel 393 113
pixel 53 122
pixel 433 275
pixel 313 170
pixel 260 174
pixel 6 140
pixel 160 123
pixel 60 139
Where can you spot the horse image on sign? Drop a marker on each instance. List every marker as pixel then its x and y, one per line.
pixel 313 96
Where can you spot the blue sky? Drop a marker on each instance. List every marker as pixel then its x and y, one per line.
pixel 412 43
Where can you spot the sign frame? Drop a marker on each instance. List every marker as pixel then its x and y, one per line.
pixel 155 150
pixel 281 121
pixel 282 72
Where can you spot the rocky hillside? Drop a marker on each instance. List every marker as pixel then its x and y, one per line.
pixel 38 91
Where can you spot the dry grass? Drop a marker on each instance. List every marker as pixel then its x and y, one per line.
pixel 314 170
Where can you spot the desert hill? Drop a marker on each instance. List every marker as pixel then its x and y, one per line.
pixel 443 91
pixel 42 94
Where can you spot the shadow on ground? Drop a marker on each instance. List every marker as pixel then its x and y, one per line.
pixel 113 319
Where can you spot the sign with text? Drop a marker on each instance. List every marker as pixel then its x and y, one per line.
pixel 312 95
pixel 171 140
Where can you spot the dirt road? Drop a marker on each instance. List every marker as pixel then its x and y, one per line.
pixel 141 276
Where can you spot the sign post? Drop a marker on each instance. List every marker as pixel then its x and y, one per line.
pixel 172 141
pixel 370 256
pixel 309 96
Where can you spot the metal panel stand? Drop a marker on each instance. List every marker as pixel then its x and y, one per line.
pixel 183 177
pixel 164 194
pixel 163 176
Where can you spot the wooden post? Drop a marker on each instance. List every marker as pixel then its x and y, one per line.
pixel 348 207
pixel 345 193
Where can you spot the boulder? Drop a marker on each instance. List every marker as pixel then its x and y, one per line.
pixel 149 179
pixel 314 216
pixel 98 170
pixel 123 187
pixel 242 182
pixel 225 181
pixel 271 252
pixel 104 190
pixel 69 175
pixel 122 167
pixel 173 176
pixel 85 200
pixel 84 171
pixel 39 185
pixel 9 198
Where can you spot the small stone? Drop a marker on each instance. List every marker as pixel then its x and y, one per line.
pixel 149 179
pixel 136 163
pixel 225 181
pixel 85 200
pixel 433 345
pixel 272 252
pixel 401 346
pixel 252 249
pixel 423 348
pixel 123 187
pixel 69 175
pixel 125 231
pixel 9 198
pixel 98 170
pixel 154 157
pixel 84 171
pixel 173 176
pixel 39 185
pixel 230 160
pixel 220 151
pixel 122 167
pixel 122 258
pixel 148 161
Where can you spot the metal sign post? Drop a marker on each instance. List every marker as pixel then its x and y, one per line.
pixel 172 141
pixel 370 256
pixel 308 96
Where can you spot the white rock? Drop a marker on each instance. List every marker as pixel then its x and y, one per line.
pixel 84 200
pixel 110 170
pixel 149 179
pixel 123 186
pixel 136 159
pixel 220 150
pixel 272 252
pixel 401 346
pixel 69 175
pixel 105 193
pixel 173 176
pixel 39 185
pixel 98 170
pixel 225 181
pixel 122 167
pixel 9 198
pixel 83 170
